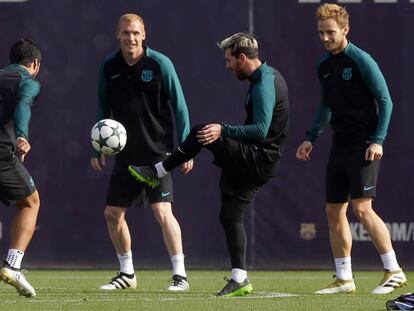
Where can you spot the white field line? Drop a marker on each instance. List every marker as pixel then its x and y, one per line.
pixel 256 295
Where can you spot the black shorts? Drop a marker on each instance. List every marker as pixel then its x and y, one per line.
pixel 349 175
pixel 15 181
pixel 124 189
pixel 245 169
pixel 244 158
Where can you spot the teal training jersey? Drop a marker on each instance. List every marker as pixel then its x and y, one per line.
pixel 355 99
pixel 18 91
pixel 148 100
pixel 267 107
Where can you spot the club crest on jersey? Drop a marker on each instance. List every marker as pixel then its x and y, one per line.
pixel 146 75
pixel 307 231
pixel 347 74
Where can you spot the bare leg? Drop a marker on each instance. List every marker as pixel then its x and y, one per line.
pixel 376 228
pixel 171 230
pixel 339 230
pixel 118 228
pixel 24 222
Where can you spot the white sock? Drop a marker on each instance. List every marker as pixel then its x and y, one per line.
pixel 238 275
pixel 343 268
pixel 178 265
pixel 125 263
pixel 161 172
pixel 389 259
pixel 14 258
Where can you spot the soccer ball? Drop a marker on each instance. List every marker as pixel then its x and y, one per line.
pixel 108 137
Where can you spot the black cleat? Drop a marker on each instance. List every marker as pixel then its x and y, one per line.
pixel 234 288
pixel 145 174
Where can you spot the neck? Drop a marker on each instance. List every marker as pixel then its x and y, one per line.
pixel 252 66
pixel 132 58
pixel 341 47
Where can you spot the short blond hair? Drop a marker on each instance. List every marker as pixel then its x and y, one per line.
pixel 129 17
pixel 334 11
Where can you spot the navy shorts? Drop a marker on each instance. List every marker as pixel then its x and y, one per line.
pixel 124 190
pixel 15 181
pixel 349 176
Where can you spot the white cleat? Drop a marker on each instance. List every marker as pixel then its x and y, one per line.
pixel 338 286
pixel 15 278
pixel 179 284
pixel 121 281
pixel 390 282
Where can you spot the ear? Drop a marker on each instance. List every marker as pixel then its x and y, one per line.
pixel 144 35
pixel 346 30
pixel 242 57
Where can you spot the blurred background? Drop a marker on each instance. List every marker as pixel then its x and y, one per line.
pixel 286 225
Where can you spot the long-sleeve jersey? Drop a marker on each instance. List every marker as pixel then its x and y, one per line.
pixel 144 98
pixel 18 91
pixel 267 108
pixel 355 99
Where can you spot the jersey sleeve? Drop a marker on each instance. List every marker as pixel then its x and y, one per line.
pixel 375 81
pixel 28 92
pixel 322 117
pixel 103 111
pixel 263 97
pixel 174 92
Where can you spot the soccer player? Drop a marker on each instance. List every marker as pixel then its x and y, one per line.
pixel 247 154
pixel 356 101
pixel 18 91
pixel 139 88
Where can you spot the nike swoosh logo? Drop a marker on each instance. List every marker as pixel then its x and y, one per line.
pixel 115 76
pixel 165 194
pixel 326 75
pixel 368 188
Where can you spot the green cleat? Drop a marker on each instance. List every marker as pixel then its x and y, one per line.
pixel 233 288
pixel 145 174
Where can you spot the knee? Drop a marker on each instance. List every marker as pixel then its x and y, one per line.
pixel 334 213
pixel 229 215
pixel 362 212
pixel 31 202
pixel 113 215
pixel 162 212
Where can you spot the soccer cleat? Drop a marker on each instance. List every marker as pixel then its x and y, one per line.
pixel 179 284
pixel 338 286
pixel 234 288
pixel 145 174
pixel 403 302
pixel 391 281
pixel 15 278
pixel 120 281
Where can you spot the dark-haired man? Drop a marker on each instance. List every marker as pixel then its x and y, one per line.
pixel 18 91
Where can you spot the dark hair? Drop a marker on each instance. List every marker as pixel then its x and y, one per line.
pixel 24 52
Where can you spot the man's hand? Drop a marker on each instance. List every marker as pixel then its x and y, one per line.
pixel 209 134
pixel 23 147
pixel 373 152
pixel 186 167
pixel 98 163
pixel 304 150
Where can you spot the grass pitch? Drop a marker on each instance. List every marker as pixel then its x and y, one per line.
pixel 273 290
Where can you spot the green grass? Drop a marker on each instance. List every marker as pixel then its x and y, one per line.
pixel 77 290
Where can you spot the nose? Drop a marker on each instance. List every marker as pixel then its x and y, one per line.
pixel 323 37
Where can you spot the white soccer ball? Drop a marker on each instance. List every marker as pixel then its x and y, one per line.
pixel 108 137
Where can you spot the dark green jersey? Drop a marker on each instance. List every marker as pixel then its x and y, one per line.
pixel 18 91
pixel 355 98
pixel 145 98
pixel 267 108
